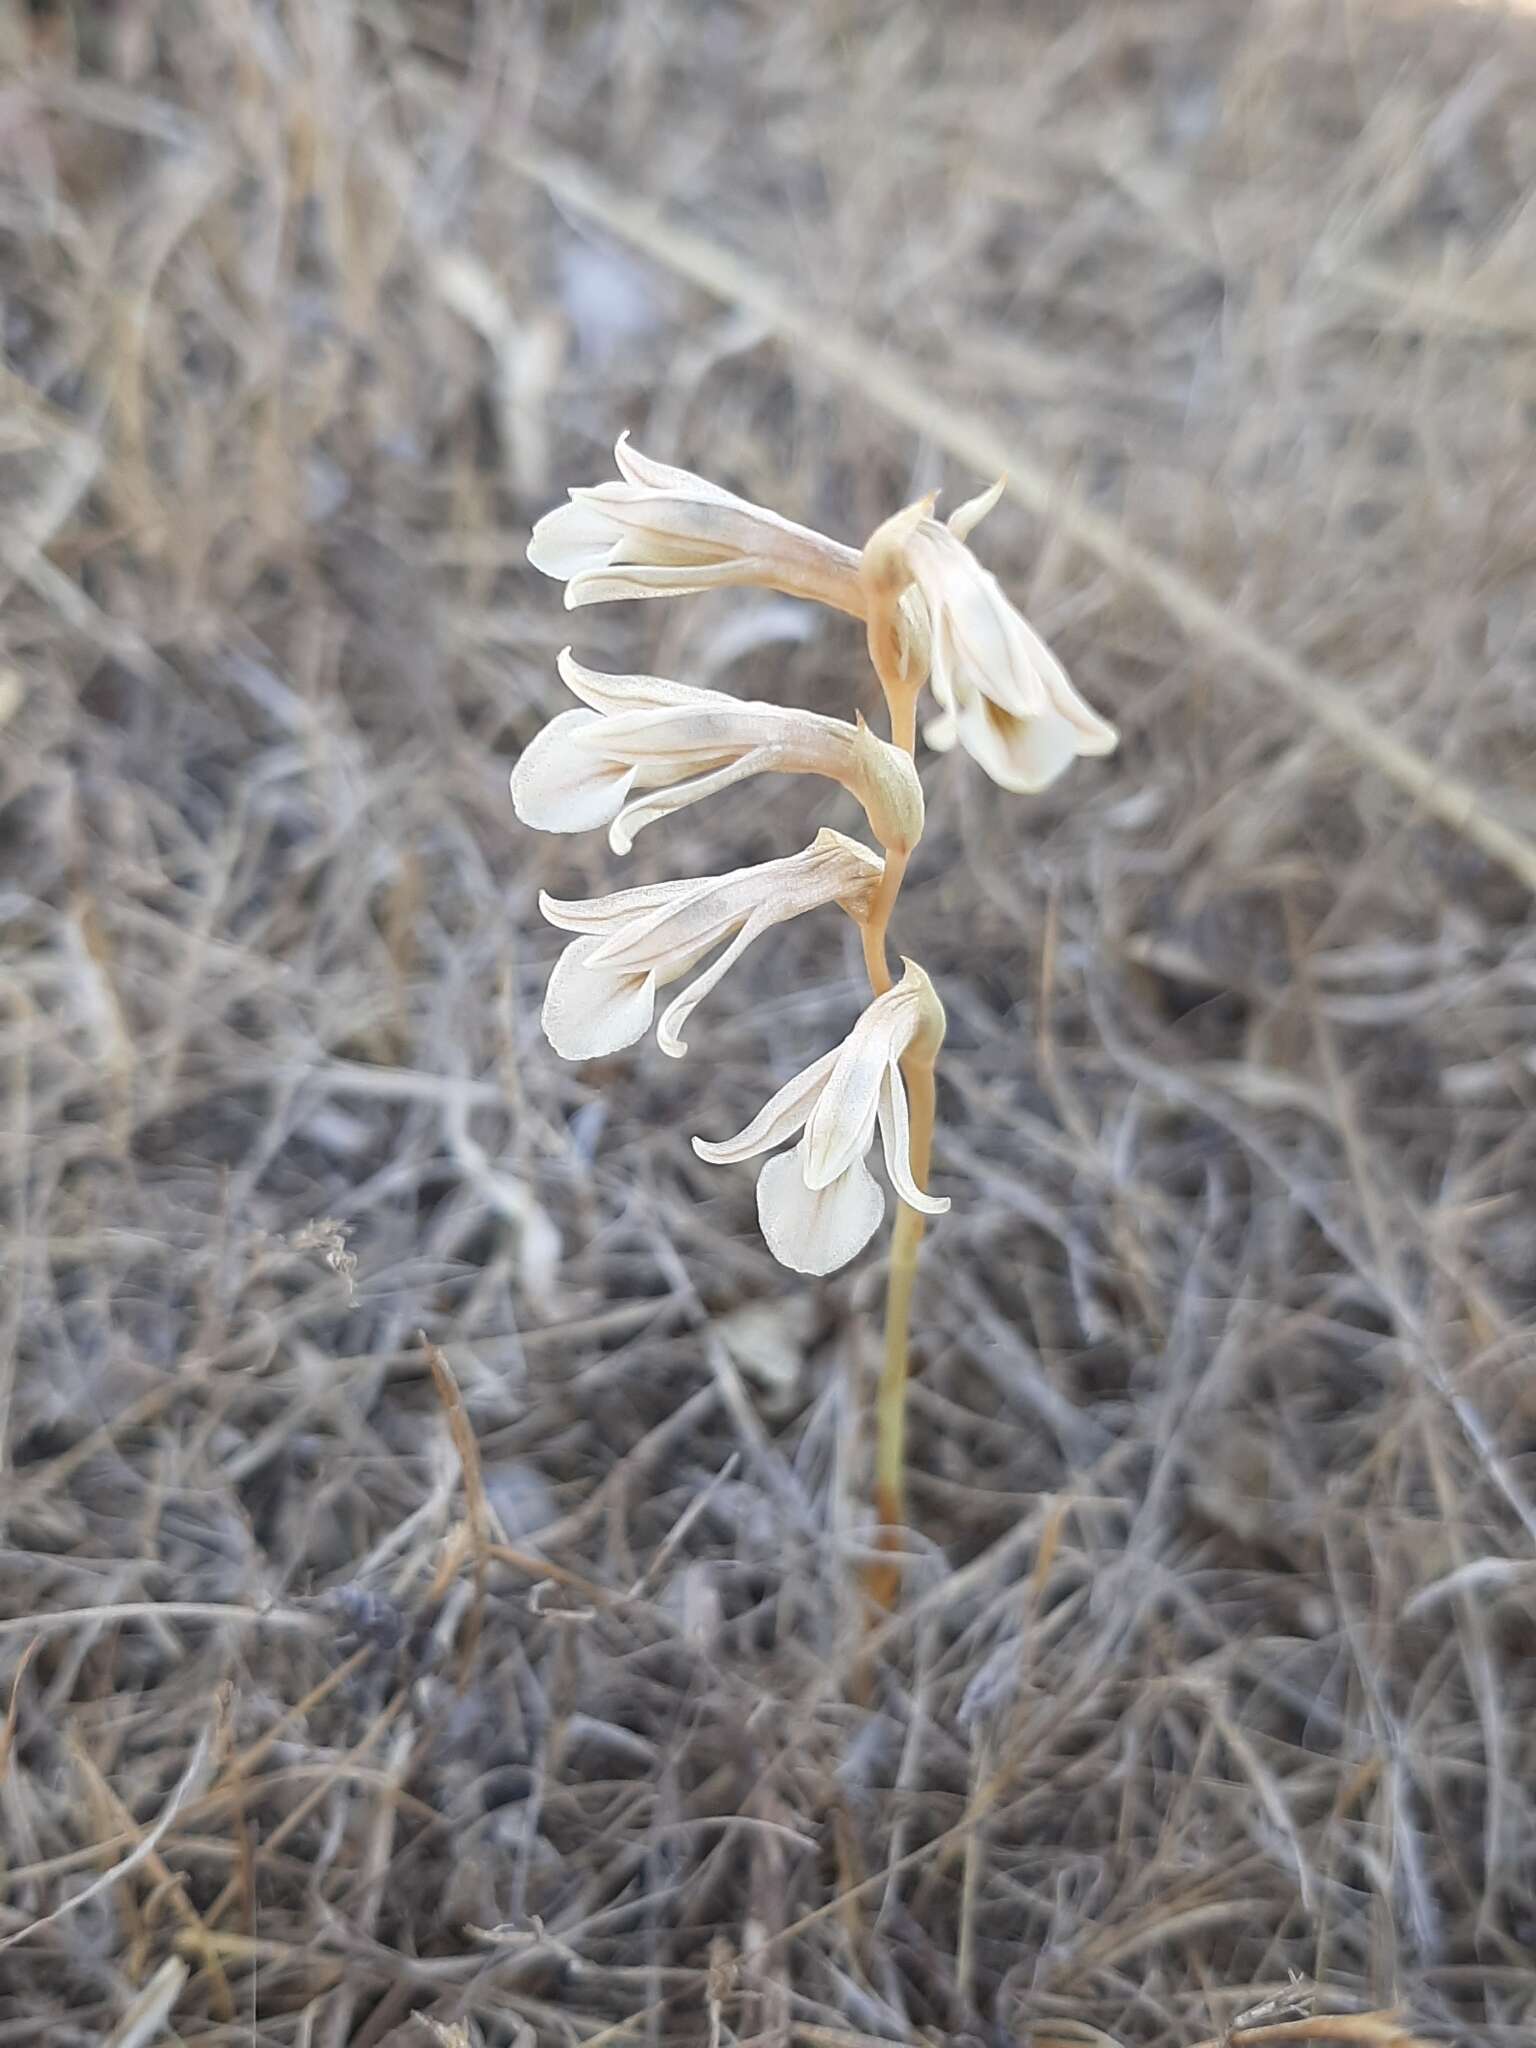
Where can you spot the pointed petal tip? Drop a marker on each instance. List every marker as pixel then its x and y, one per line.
pixel 967 517
pixel 1100 743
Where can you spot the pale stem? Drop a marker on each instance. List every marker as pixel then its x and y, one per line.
pixel 901 694
pixel 877 922
pixel 891 1399
pixel 883 1581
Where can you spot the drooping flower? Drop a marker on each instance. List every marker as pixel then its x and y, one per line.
pixel 664 532
pixel 602 992
pixel 678 744
pixel 1001 692
pixel 819 1205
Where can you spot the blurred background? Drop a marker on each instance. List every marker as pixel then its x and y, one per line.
pixel 515 1684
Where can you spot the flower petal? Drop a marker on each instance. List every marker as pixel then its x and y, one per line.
pixel 779 1118
pixel 602 914
pixel 603 585
pixel 651 475
pixel 1095 735
pixel 896 1143
pixel 1021 754
pixel 559 785
pixel 973 622
pixel 816 1230
pixel 662 803
pixel 591 1011
pixel 669 1032
pixel 613 695
pixel 570 539
pixel 843 1121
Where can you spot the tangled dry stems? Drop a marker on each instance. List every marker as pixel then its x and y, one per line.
pixel 519 1695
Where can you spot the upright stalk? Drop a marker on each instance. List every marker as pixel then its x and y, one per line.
pixel 883 1580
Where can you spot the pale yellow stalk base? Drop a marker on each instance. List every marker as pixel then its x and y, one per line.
pixel 882 1581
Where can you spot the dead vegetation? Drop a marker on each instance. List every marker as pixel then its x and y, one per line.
pixel 431 1521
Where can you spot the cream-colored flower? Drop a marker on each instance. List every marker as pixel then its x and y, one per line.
pixel 820 1205
pixel 664 532
pixel 602 993
pixel 678 744
pixel 1001 692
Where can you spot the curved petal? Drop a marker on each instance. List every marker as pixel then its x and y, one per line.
pixel 669 1032
pixel 691 922
pixel 1037 681
pixel 709 733
pixel 941 732
pixel 590 1011
pixel 603 913
pixel 572 538
pixel 965 518
pixel 943 678
pixel 843 1121
pixel 1095 735
pixel 982 630
pixel 559 785
pixel 1021 754
pixel 651 475
pixel 663 802
pixel 779 1118
pixel 614 695
pixel 816 1230
pixel 612 585
pixel 896 1143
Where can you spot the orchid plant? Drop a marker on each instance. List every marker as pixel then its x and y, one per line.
pixel 642 747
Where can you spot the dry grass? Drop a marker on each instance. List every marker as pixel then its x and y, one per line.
pixel 431 1520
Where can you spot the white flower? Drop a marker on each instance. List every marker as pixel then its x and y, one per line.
pixel 664 532
pixel 1002 693
pixel 678 744
pixel 602 993
pixel 820 1205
